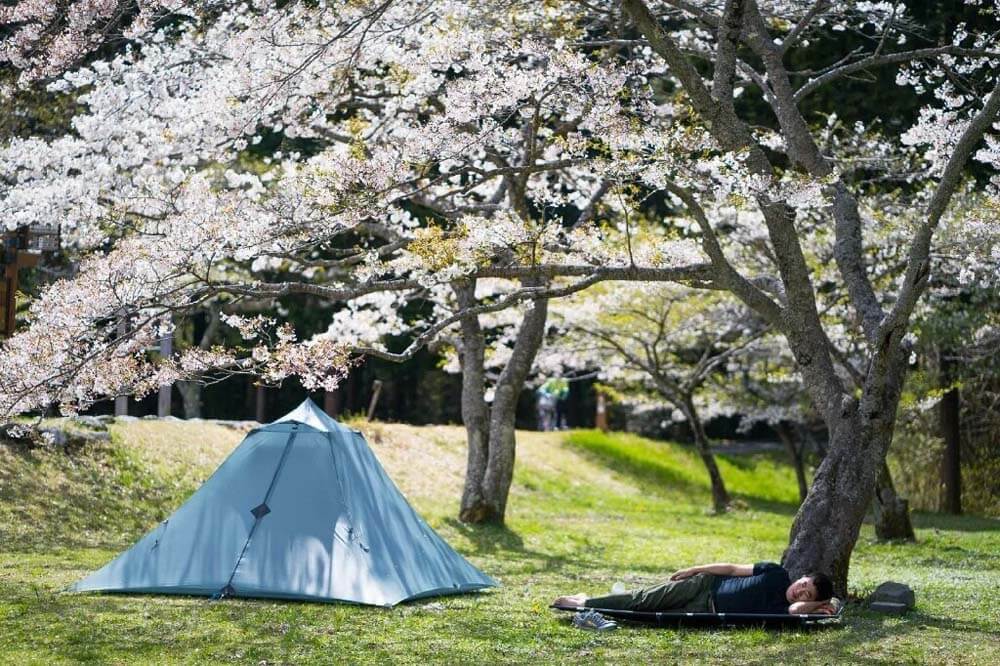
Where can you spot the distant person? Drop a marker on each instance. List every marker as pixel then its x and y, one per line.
pixel 764 587
pixel 560 387
pixel 546 407
pixel 552 396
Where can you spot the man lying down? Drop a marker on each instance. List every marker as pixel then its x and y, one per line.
pixel 764 587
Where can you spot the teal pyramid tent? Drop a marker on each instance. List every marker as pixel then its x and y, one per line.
pixel 301 509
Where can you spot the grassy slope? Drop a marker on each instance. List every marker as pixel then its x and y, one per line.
pixel 586 511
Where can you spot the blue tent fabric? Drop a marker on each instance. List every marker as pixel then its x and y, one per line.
pixel 301 509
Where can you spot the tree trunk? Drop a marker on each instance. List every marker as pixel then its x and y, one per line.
pixel 486 501
pixel 951 461
pixel 601 417
pixel 720 496
pixel 163 401
pixel 475 411
pixel 500 467
pixel 191 391
pixel 892 513
pixel 827 524
pixel 795 454
pixel 191 398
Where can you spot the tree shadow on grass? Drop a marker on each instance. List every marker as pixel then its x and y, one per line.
pixel 920 620
pixel 768 506
pixel 740 461
pixel 502 542
pixel 955 523
pixel 659 475
pixel 862 628
pixel 488 537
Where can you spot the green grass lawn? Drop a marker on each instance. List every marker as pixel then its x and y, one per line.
pixel 586 511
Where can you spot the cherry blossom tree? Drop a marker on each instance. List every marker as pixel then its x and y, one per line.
pixel 385 203
pixel 827 524
pixel 46 37
pixel 403 146
pixel 948 396
pixel 659 340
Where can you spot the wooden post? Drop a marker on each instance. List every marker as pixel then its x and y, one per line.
pixel 261 403
pixel 163 403
pixel 331 402
pixel 601 419
pixel 13 261
pixel 376 390
pixel 21 248
pixel 9 299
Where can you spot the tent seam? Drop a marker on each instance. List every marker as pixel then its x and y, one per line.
pixel 274 480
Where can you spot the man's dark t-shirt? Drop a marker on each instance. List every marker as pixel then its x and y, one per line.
pixel 762 592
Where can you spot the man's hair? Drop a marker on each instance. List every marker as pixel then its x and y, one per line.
pixel 824 586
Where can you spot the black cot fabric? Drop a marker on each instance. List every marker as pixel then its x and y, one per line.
pixel 674 618
pixel 761 592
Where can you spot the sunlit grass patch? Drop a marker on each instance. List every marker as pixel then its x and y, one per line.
pixel 671 467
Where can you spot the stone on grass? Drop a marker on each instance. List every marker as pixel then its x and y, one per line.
pixel 54 436
pixel 69 440
pixel 94 422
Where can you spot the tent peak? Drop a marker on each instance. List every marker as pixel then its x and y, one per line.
pixel 310 414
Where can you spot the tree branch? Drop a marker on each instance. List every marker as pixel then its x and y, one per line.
pixel 801 321
pixel 888 59
pixel 802 149
pixel 918 257
pixel 275 289
pixel 702 275
pixel 509 300
pixel 728 275
pixel 588 212
pixel 803 24
pixel 680 66
pixel 727 36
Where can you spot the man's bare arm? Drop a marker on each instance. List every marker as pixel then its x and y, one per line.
pixel 806 607
pixel 719 569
